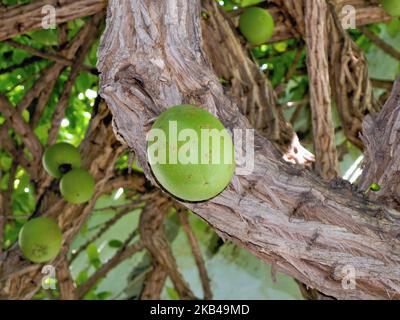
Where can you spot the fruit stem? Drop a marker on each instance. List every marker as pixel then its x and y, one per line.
pixel 64 168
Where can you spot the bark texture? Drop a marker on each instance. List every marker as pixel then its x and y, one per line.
pixel 150 59
pixel 382 151
pixel 315 18
pixel 23 18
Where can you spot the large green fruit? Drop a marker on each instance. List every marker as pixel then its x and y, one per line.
pixel 60 158
pixel 77 186
pixel 257 25
pixel 195 173
pixel 392 7
pixel 40 239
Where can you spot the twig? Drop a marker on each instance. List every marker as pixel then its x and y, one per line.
pixel 194 244
pixel 75 69
pixel 15 120
pixel 104 228
pixel 49 56
pixel 387 48
pixel 383 84
pixel 124 253
pixel 24 63
pixel 154 239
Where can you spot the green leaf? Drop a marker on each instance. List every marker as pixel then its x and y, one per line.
pixel 115 243
pixel 172 293
pixel 104 295
pixel 93 255
pixel 82 277
pixel 47 37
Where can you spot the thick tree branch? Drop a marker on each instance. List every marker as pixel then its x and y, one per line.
pixel 326 162
pixel 382 151
pixel 307 228
pixel 154 283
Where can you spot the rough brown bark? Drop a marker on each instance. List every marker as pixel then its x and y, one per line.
pixel 151 58
pixel 382 151
pixel 154 283
pixel 316 37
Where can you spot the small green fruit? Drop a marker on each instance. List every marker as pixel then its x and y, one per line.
pixel 392 7
pixel 77 186
pixel 40 239
pixel 60 158
pixel 205 176
pixel 375 187
pixel 257 25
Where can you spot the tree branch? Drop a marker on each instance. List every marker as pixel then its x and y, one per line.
pixel 15 120
pixel 326 163
pixel 24 18
pixel 124 253
pixel 390 50
pixel 58 115
pixel 194 244
pixel 381 137
pixel 48 55
pixel 153 236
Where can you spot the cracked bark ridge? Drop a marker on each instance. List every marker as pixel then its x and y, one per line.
pixel 150 58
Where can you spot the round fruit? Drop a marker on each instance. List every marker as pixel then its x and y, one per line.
pixel 257 25
pixel 392 7
pixel 40 239
pixel 60 158
pixel 191 170
pixel 77 186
